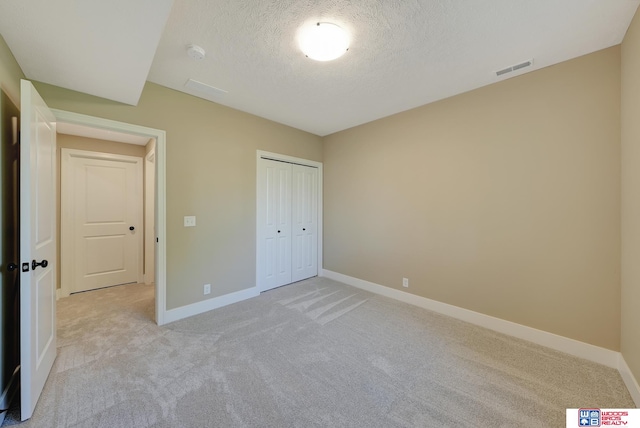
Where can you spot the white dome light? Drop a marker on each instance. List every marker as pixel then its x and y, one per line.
pixel 323 41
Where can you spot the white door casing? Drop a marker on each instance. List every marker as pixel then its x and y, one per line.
pixel 149 216
pixel 160 274
pixel 304 247
pixel 37 243
pixel 101 201
pixel 275 263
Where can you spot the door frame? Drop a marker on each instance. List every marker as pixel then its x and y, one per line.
pixel 260 154
pixel 161 189
pixel 67 223
pixel 149 213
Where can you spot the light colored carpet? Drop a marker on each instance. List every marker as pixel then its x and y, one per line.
pixel 312 354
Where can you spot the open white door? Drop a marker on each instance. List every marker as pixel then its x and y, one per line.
pixel 37 246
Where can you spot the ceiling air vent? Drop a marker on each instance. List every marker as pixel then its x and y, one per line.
pixel 204 88
pixel 515 67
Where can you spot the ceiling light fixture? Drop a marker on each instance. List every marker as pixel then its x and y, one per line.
pixel 323 41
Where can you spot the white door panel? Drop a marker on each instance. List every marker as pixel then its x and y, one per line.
pixel 37 244
pixel 45 302
pixel 305 222
pixel 283 230
pixel 105 193
pixel 105 254
pixel 102 200
pixel 275 244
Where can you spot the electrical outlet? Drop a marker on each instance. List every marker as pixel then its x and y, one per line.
pixel 207 288
pixel 189 221
pixel 405 282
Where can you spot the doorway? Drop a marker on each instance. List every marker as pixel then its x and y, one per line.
pixel 37 196
pixel 158 139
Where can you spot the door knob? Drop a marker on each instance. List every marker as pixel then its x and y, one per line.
pixel 131 228
pixel 11 267
pixel 35 264
pixel 278 231
pixel 303 229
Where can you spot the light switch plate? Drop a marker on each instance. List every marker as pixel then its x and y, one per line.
pixel 189 221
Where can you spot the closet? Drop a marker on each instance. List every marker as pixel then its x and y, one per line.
pixel 287 226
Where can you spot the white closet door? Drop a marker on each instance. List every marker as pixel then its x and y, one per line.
pixel 274 210
pixel 305 222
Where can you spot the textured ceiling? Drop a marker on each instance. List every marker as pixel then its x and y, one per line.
pixel 404 53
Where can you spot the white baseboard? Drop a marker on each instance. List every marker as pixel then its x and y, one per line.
pixel 587 351
pixel 629 380
pixel 206 305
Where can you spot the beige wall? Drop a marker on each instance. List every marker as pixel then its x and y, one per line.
pixel 10 75
pixel 631 197
pixel 90 144
pixel 211 173
pixel 504 200
pixel 93 145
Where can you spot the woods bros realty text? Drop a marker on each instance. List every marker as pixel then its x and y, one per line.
pixel 603 418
